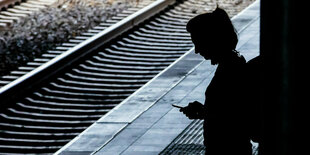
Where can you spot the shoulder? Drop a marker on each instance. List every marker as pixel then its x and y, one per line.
pixel 255 61
pixel 253 72
pixel 254 64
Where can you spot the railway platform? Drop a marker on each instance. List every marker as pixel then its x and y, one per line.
pixel 146 122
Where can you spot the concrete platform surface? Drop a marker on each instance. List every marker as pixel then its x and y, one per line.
pixel 146 123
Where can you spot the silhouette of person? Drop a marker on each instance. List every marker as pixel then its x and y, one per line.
pixel 225 112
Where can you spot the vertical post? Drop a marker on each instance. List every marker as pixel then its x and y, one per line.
pixel 284 36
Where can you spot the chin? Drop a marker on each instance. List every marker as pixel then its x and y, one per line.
pixel 214 62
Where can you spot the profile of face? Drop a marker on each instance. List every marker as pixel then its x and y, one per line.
pixel 207 47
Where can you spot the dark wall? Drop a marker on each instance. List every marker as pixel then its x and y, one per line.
pixel 284 46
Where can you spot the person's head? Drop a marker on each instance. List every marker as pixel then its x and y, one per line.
pixel 213 34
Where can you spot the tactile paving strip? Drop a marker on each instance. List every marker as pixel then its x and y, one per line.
pixel 190 141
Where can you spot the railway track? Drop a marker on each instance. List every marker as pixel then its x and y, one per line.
pixel 57 109
pixel 50 54
pixel 13 10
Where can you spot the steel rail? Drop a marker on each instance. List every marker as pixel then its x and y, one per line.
pixel 6 3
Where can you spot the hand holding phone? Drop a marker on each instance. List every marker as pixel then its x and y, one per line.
pixel 194 110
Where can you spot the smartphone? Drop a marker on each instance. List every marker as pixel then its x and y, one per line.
pixel 177 106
